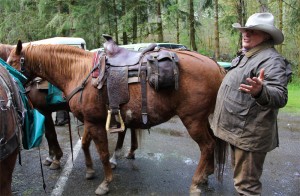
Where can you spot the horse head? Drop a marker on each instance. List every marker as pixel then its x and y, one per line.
pixel 15 56
pixel 16 59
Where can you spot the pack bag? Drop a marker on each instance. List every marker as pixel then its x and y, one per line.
pixel 162 69
pixel 54 95
pixel 33 122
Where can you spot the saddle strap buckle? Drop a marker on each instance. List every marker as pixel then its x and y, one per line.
pixel 114 129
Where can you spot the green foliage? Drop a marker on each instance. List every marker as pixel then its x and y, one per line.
pixel 293 104
pixel 33 20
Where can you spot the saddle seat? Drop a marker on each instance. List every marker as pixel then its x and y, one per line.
pixel 118 56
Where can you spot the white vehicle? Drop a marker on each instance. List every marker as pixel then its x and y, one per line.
pixel 71 41
pixel 142 46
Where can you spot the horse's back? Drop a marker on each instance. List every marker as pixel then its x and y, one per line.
pixel 5 50
pixel 198 64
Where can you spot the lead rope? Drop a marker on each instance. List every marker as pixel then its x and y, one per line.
pixel 70 134
pixel 44 184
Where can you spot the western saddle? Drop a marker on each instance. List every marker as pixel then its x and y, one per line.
pixel 117 67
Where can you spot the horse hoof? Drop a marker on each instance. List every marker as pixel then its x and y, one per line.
pixel 194 191
pixel 130 156
pixel 47 163
pixel 113 162
pixel 55 165
pixel 90 174
pixel 102 189
pixel 113 166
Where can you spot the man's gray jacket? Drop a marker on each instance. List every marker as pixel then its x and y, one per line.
pixel 250 123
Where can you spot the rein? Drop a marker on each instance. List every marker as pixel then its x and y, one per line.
pixel 81 87
pixel 76 90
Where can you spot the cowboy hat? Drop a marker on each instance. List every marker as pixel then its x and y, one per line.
pixel 262 22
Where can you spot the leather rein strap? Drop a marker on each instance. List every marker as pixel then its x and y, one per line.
pixel 81 87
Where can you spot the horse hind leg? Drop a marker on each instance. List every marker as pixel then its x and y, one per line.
pixel 55 152
pixel 199 131
pixel 134 144
pixel 119 146
pixel 118 149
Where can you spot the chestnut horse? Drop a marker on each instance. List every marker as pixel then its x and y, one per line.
pixel 38 99
pixel 11 110
pixel 67 67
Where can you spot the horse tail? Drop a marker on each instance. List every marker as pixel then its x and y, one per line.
pixel 220 157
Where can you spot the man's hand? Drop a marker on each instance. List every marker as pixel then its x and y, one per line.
pixel 254 86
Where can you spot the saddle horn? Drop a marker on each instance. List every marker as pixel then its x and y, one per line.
pixel 107 37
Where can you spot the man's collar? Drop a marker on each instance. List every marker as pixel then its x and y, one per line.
pixel 258 48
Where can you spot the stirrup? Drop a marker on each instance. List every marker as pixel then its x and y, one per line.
pixel 112 129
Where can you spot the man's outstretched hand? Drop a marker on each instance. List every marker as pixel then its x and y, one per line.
pixel 255 84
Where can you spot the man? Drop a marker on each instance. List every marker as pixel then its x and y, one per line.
pixel 248 101
pixel 62 118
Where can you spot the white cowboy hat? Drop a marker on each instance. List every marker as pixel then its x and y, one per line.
pixel 263 22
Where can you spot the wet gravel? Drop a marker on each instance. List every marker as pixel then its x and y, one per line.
pixel 164 165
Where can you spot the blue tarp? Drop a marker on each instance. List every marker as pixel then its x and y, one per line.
pixel 226 65
pixel 33 126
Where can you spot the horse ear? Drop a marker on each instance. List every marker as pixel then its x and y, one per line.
pixel 19 47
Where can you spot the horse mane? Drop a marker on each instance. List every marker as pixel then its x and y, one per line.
pixel 60 58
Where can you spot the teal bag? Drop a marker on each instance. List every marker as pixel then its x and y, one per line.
pixel 15 73
pixel 33 129
pixel 54 95
pixel 33 121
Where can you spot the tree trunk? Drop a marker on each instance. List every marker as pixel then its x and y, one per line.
pixel 192 26
pixel 217 46
pixel 125 38
pixel 177 25
pixel 134 23
pixel 280 24
pixel 241 12
pixel 263 5
pixel 159 23
pixel 115 21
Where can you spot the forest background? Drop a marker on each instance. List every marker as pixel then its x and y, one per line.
pixel 202 25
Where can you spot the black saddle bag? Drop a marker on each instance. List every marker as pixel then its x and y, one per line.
pixel 162 69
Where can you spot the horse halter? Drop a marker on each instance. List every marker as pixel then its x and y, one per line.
pixel 23 71
pixel 22 63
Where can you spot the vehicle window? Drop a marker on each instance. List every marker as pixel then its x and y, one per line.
pixel 164 46
pixel 178 46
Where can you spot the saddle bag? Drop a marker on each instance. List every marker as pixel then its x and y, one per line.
pixel 162 69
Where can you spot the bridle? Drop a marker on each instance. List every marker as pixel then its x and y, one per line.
pixel 22 63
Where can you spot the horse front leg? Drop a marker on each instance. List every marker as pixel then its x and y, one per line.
pixel 99 136
pixel 55 152
pixel 6 171
pixel 86 142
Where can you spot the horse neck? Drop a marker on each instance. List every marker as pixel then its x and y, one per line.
pixel 57 66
